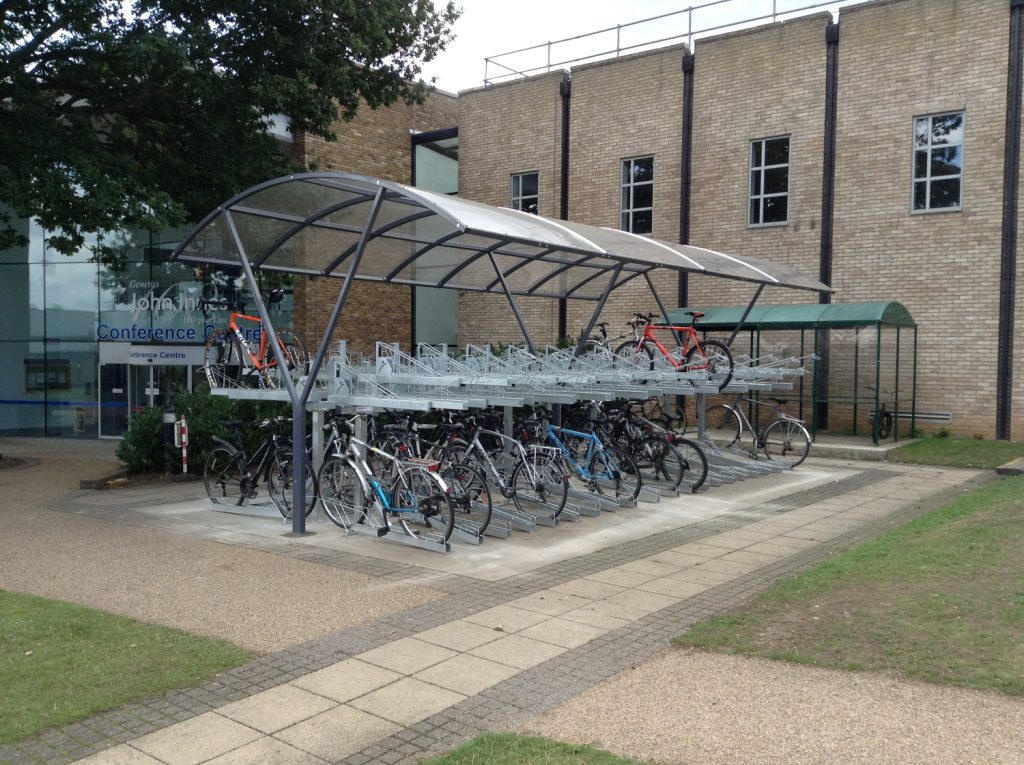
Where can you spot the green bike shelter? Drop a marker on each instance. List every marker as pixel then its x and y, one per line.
pixel 860 357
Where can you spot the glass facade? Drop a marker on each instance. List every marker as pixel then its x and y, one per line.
pixel 86 346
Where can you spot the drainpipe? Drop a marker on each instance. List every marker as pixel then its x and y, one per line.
pixel 1008 250
pixel 685 177
pixel 565 90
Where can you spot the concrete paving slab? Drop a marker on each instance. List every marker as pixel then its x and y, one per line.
pixel 549 602
pixel 466 674
pixel 277 708
pixel 506 618
pixel 407 655
pixel 197 740
pixel 518 651
pixel 588 588
pixel 673 587
pixel 346 680
pixel 459 635
pixel 597 614
pixel 267 751
pixel 337 733
pixel 563 632
pixel 408 701
pixel 621 577
pixel 634 604
pixel 120 755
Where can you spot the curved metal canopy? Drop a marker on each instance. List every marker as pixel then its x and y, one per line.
pixel 314 222
pixel 801 316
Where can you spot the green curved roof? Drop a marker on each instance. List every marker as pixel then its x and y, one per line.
pixel 800 316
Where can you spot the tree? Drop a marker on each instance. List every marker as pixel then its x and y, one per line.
pixel 149 113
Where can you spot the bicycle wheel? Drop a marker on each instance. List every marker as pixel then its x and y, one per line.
pixel 885 425
pixel 222 359
pixel 695 463
pixel 629 357
pixel 722 425
pixel 295 355
pixel 786 441
pixel 539 483
pixel 341 493
pixel 712 357
pixel 223 476
pixel 658 460
pixel 281 481
pixel 471 496
pixel 615 472
pixel 422 505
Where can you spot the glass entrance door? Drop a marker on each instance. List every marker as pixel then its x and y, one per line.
pixel 113 400
pixel 155 386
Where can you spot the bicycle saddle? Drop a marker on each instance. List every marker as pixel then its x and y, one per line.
pixel 232 424
pixel 780 401
pixel 695 314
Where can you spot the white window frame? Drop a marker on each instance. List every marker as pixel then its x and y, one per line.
pixel 760 171
pixel 627 190
pixel 928 178
pixel 516 192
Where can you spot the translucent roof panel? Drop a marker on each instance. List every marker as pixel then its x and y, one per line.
pixel 315 222
pixel 800 316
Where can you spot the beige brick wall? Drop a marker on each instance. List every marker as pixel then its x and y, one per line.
pixel 505 130
pixel 761 83
pixel 375 143
pixel 621 109
pixel 899 60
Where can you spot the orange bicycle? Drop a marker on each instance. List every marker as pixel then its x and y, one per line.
pixel 691 354
pixel 235 357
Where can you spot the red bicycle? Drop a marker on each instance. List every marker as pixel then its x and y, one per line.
pixel 691 354
pixel 232 353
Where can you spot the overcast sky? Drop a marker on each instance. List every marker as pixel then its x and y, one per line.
pixel 490 27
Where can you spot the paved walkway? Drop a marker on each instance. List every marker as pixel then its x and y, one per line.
pixel 516 630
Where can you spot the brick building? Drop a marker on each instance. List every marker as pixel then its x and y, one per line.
pixel 869 151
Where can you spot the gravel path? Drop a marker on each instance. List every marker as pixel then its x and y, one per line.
pixel 261 601
pixel 708 709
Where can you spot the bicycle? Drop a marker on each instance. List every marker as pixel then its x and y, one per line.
pixel 884 421
pixel 661 453
pixel 603 468
pixel 527 475
pixel 229 355
pixel 412 493
pixel 692 354
pixel 784 439
pixel 471 496
pixel 232 476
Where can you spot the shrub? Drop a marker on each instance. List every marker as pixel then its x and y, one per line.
pixel 142 448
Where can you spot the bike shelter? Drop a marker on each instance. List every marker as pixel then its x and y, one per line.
pixel 865 346
pixel 347 226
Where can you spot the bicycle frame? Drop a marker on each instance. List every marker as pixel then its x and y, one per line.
pixel 477 448
pixel 594 446
pixel 257 360
pixel 690 339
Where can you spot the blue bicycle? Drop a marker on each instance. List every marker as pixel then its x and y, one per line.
pixel 603 468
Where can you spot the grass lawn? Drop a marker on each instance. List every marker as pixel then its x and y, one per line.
pixel 61 662
pixel 958 452
pixel 940 599
pixel 513 749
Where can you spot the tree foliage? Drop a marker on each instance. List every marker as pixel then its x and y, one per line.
pixel 149 113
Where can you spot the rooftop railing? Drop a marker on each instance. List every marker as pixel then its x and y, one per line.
pixel 704 19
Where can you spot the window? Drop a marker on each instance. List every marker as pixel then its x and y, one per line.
pixel 938 161
pixel 524 192
pixel 638 195
pixel 769 181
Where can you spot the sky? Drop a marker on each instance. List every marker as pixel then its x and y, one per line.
pixel 490 27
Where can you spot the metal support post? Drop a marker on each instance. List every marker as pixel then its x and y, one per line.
pixel 512 303
pixel 746 313
pixel 597 311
